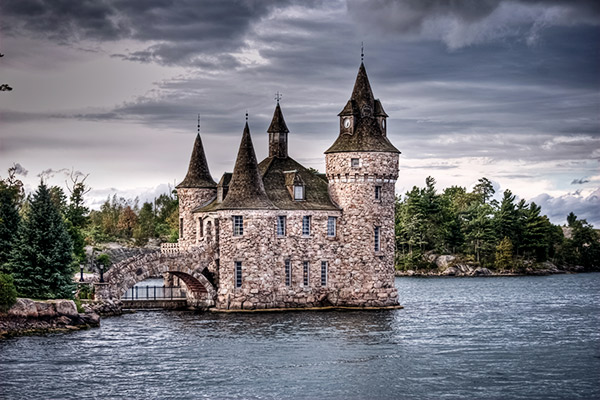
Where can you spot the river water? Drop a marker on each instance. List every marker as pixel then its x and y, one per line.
pixel 484 338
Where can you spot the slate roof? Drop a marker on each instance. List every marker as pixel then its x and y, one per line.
pixel 198 175
pixel 278 123
pixel 246 189
pixel 273 171
pixel 367 135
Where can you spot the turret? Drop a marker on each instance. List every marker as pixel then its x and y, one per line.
pixel 196 189
pixel 278 135
pixel 362 168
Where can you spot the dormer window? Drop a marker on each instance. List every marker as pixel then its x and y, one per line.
pixel 298 192
pixel 355 162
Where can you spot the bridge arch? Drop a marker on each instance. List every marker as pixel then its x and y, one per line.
pixel 187 266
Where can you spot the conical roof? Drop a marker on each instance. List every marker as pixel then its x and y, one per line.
pixel 367 133
pixel 246 189
pixel 362 93
pixel 278 123
pixel 198 175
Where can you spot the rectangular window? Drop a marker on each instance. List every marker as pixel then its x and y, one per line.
pixel 331 226
pixel 306 225
pixel 355 162
pixel 281 225
pixel 298 192
pixel 305 273
pixel 323 273
pixel 377 192
pixel 288 273
pixel 377 238
pixel 238 225
pixel 238 274
pixel 180 228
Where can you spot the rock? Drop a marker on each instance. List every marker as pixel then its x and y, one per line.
pixel 430 257
pixel 66 307
pixel 24 308
pixel 444 262
pixel 450 271
pixel 410 272
pixel 464 269
pixel 482 272
pixel 45 309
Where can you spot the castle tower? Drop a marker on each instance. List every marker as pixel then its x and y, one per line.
pixel 197 189
pixel 362 168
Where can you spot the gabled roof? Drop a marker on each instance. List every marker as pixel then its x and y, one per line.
pixel 198 175
pixel 246 189
pixel 275 171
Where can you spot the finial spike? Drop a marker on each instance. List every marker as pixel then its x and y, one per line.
pixel 198 124
pixel 246 115
pixel 362 51
pixel 278 96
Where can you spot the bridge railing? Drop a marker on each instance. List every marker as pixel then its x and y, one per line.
pixel 169 248
pixel 154 293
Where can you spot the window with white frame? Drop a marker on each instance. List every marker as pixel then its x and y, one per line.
pixel 281 225
pixel 306 225
pixel 377 238
pixel 323 273
pixel 238 225
pixel 238 274
pixel 331 226
pixel 355 162
pixel 377 192
pixel 288 273
pixel 298 192
pixel 305 272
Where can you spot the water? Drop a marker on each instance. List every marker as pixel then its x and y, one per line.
pixel 485 338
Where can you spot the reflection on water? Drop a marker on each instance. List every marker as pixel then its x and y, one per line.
pixel 526 337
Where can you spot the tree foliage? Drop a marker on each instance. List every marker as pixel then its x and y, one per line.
pixel 11 197
pixel 477 226
pixel 41 261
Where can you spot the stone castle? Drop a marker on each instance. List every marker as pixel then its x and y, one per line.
pixel 279 235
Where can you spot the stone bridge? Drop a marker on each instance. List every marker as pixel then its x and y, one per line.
pixel 191 267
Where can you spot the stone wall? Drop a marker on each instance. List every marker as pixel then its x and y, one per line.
pixel 368 274
pixel 189 199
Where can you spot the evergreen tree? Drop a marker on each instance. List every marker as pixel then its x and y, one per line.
pixel 41 260
pixel 145 227
pixel 504 255
pixel 11 195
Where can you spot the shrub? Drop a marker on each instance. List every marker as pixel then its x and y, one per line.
pixel 8 292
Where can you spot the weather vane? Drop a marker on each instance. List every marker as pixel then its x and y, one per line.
pixel 362 51
pixel 198 124
pixel 278 96
pixel 246 115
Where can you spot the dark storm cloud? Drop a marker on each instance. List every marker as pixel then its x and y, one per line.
pixel 461 23
pixel 184 32
pixel 557 208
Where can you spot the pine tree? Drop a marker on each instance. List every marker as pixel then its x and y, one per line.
pixel 504 255
pixel 41 260
pixel 11 194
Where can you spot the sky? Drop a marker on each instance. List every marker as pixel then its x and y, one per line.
pixel 507 90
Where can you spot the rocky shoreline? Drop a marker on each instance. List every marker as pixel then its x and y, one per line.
pixel 450 265
pixel 32 317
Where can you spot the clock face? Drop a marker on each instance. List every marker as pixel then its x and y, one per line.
pixel 347 123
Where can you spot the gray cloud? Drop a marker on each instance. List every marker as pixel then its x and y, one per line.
pixel 19 170
pixel 580 181
pixel 557 208
pixel 463 23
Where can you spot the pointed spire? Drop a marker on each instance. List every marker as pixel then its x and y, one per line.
pixel 246 189
pixel 198 175
pixel 278 138
pixel 362 93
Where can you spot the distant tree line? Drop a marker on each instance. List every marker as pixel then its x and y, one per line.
pixel 500 235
